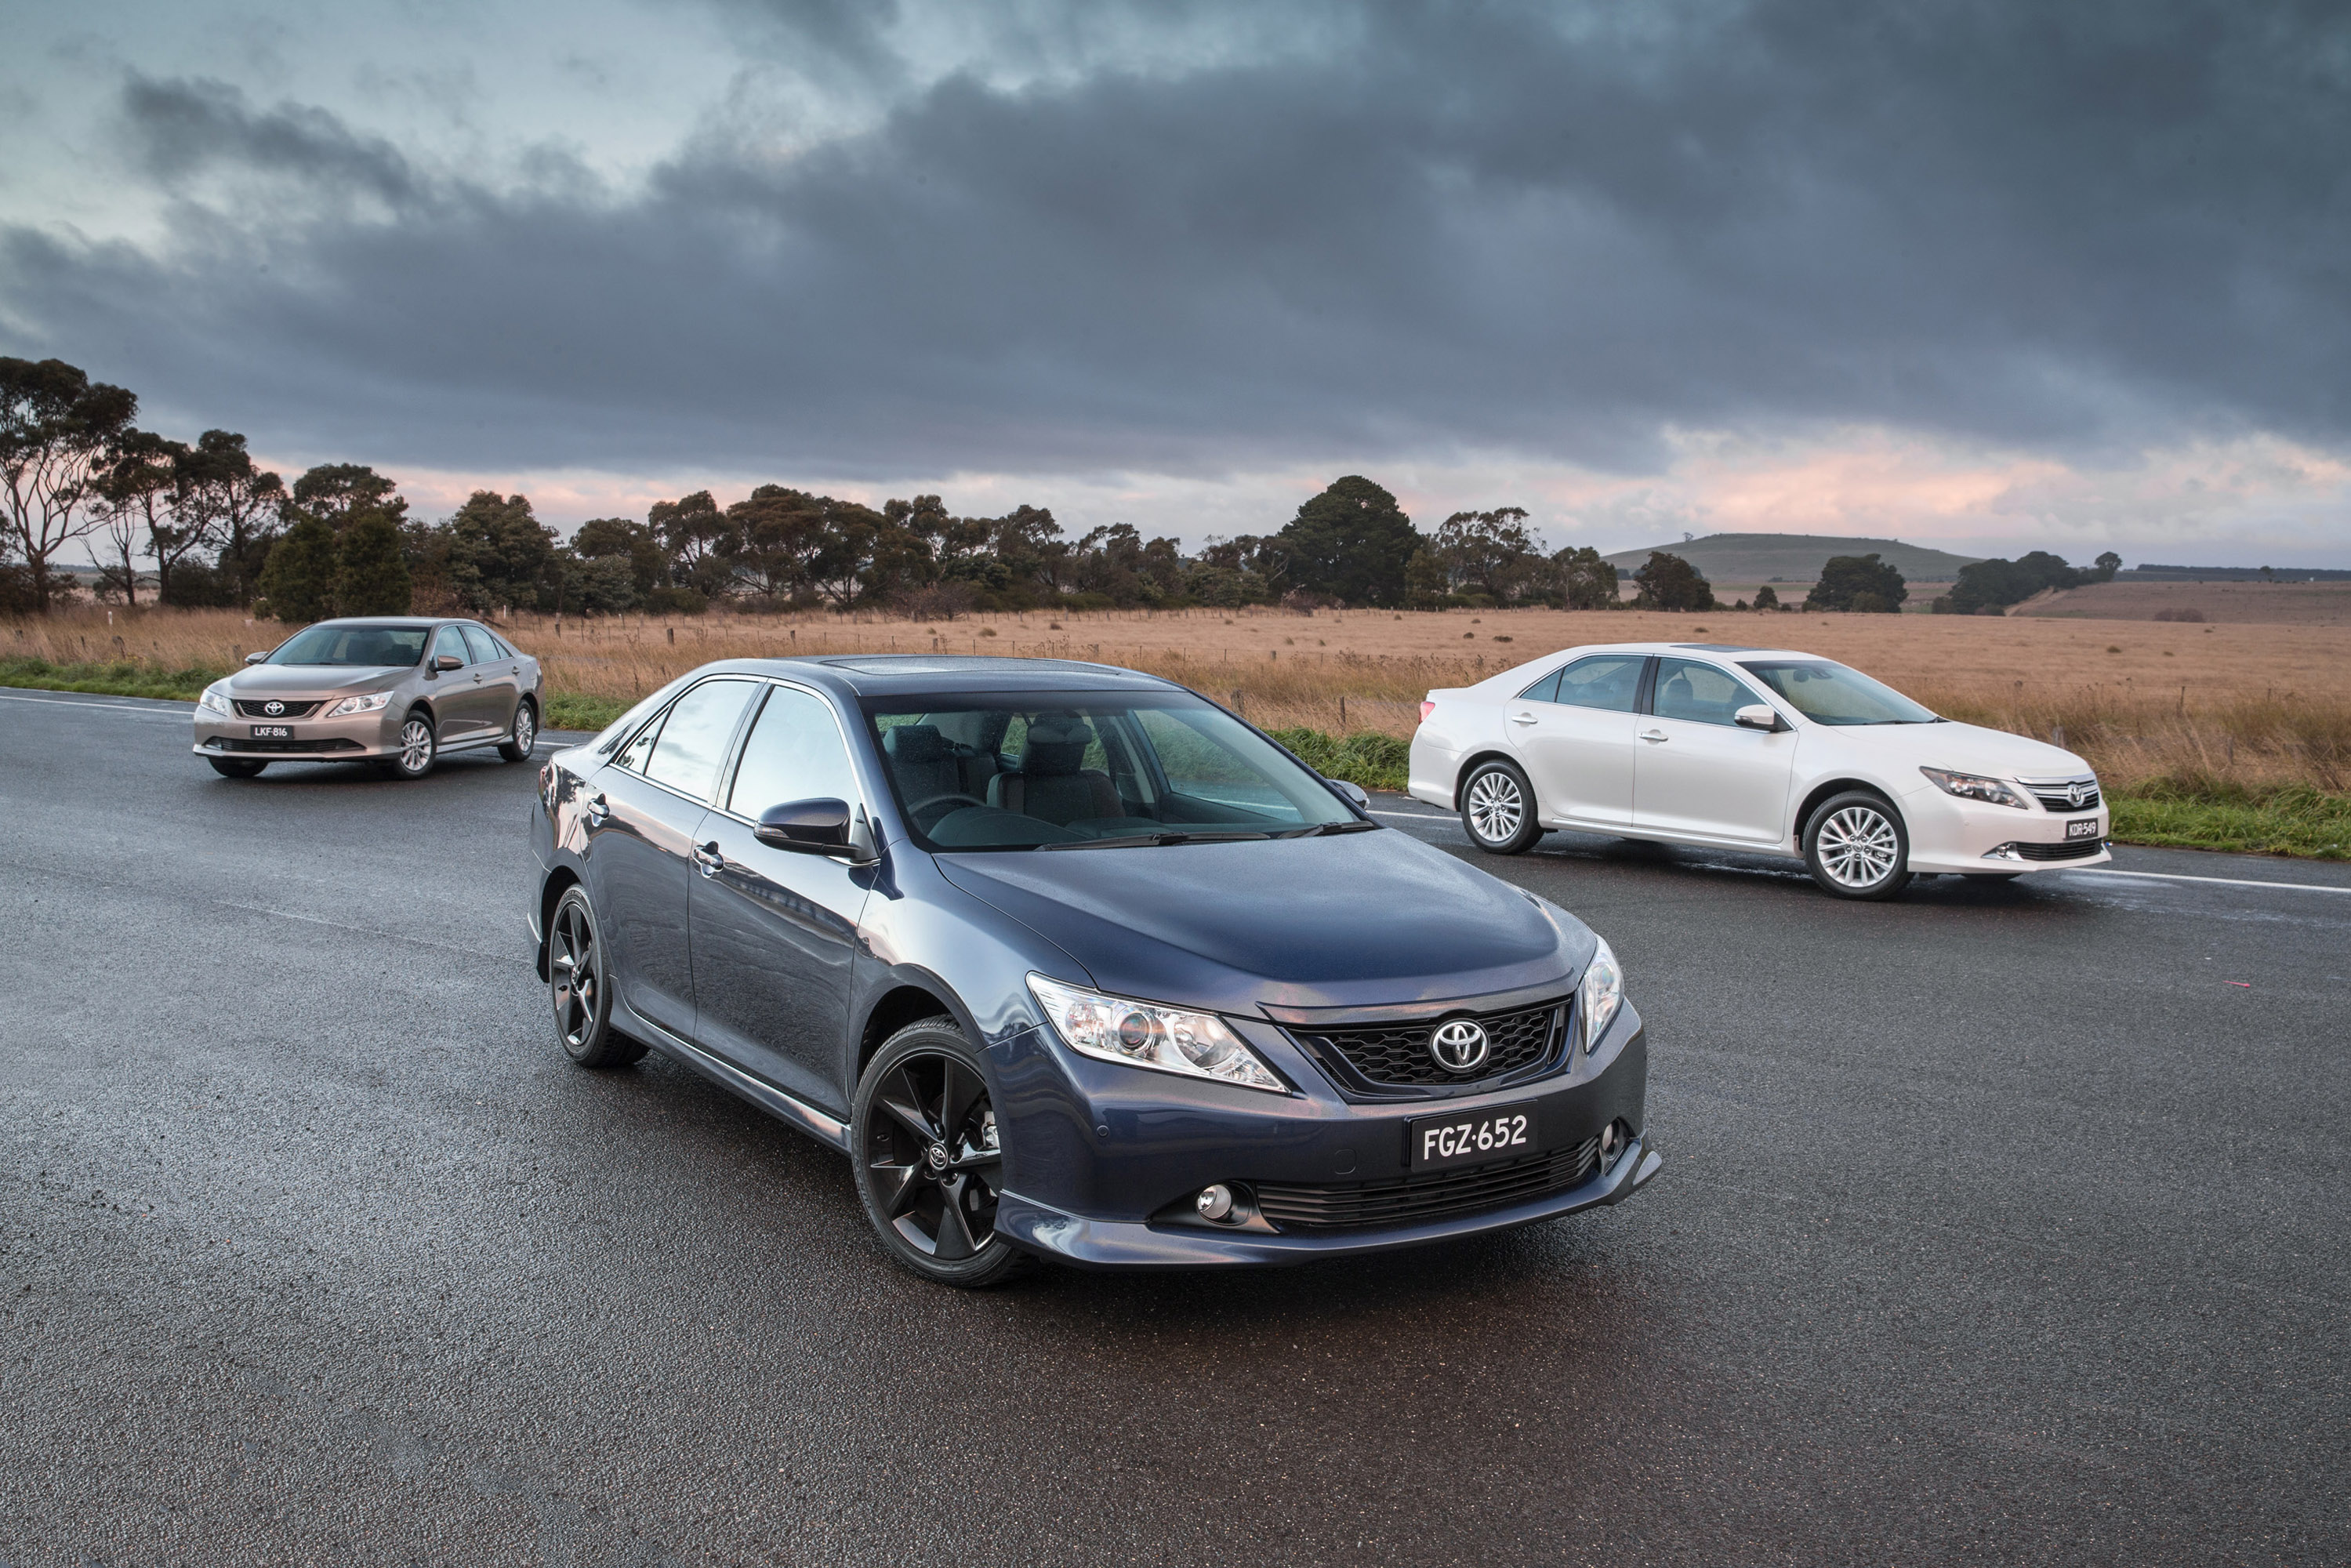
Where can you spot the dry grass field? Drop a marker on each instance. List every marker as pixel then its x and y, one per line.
pixel 2224 603
pixel 2257 705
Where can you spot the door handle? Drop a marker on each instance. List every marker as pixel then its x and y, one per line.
pixel 598 810
pixel 707 857
pixel 1654 737
pixel 1522 718
pixel 477 677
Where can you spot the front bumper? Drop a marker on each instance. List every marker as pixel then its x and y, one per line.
pixel 358 738
pixel 1126 1244
pixel 1950 834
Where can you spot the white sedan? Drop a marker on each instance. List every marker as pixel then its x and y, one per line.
pixel 1761 749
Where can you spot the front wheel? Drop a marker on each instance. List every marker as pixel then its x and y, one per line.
pixel 1498 808
pixel 929 1164
pixel 236 766
pixel 420 746
pixel 579 987
pixel 1857 848
pixel 517 748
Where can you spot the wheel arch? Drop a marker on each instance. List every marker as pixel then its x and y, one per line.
pixel 1471 763
pixel 1821 793
pixel 558 881
pixel 910 1000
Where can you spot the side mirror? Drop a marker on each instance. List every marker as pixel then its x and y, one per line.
pixel 1352 792
pixel 1758 715
pixel 258 658
pixel 442 663
pixel 821 827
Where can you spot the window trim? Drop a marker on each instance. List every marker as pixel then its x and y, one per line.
pixel 1737 677
pixel 432 645
pixel 660 714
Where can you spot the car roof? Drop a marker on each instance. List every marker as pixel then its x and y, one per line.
pixel 396 621
pixel 889 675
pixel 1725 649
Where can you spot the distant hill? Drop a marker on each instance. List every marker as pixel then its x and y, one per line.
pixel 1793 558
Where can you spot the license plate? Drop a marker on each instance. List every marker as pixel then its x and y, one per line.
pixel 273 732
pixel 1473 1139
pixel 2081 828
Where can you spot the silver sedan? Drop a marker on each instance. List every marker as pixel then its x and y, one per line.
pixel 398 691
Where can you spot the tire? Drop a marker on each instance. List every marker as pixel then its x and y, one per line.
pixel 577 986
pixel 236 767
pixel 526 733
pixel 922 1138
pixel 1856 846
pixel 420 746
pixel 1498 808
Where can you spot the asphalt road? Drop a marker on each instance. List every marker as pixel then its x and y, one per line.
pixel 1997 1226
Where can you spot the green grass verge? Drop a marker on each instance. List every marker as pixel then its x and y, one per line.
pixel 1366 757
pixel 568 710
pixel 121 680
pixel 2211 814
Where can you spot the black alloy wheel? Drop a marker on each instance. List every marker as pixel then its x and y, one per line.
pixel 579 988
pixel 929 1164
pixel 516 747
pixel 236 767
pixel 1498 808
pixel 1856 846
pixel 420 746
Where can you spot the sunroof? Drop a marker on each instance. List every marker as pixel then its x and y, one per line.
pixel 1716 647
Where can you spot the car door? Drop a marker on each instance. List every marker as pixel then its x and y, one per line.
pixel 642 813
pixel 1573 731
pixel 1698 772
pixel 458 704
pixel 498 675
pixel 775 930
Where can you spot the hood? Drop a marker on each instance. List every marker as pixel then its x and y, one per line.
pixel 1358 920
pixel 1968 748
pixel 312 680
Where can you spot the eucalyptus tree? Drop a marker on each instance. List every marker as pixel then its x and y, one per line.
pixel 58 430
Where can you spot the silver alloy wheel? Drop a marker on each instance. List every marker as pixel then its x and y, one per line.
pixel 572 978
pixel 1497 809
pixel 526 732
pixel 1858 847
pixel 416 744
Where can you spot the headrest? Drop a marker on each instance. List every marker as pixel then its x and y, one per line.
pixel 915 743
pixel 1053 758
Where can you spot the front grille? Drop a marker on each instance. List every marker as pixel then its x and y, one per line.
pixel 281 746
pixel 259 708
pixel 1414 1200
pixel 2053 796
pixel 1396 1056
pixel 2073 850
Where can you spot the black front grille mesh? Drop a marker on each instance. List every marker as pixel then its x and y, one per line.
pixel 258 709
pixel 285 746
pixel 1415 1199
pixel 2057 799
pixel 2075 850
pixel 1396 1055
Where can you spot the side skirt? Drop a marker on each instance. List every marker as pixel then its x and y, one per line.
pixel 826 1129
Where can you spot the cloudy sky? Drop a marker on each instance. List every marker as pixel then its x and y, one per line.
pixel 1993 275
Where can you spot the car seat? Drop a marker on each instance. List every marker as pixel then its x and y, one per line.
pixel 1052 782
pixel 922 762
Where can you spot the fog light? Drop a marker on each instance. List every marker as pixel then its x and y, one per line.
pixel 1609 1142
pixel 1215 1202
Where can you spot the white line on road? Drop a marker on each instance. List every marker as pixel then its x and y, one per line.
pixel 2097 871
pixel 109 707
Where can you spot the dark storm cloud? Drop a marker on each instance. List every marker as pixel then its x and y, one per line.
pixel 1554 232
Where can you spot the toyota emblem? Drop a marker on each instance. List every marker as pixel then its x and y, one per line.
pixel 2076 792
pixel 273 709
pixel 1459 1046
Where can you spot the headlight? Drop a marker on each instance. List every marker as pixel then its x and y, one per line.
pixel 370 703
pixel 1599 997
pixel 215 700
pixel 1197 1045
pixel 1975 787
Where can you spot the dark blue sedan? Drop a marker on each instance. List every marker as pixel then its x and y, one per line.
pixel 1073 963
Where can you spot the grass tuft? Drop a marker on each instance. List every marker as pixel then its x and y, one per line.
pixel 1367 757
pixel 127 678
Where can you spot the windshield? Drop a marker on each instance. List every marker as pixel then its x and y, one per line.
pixel 352 645
pixel 1826 693
pixel 1048 770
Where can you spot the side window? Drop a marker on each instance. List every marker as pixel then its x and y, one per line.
pixel 484 647
pixel 795 753
pixel 1609 681
pixel 1699 692
pixel 1544 691
pixel 448 641
pixel 641 750
pixel 692 743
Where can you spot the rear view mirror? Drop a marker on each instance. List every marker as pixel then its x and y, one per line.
pixel 1757 715
pixel 820 827
pixel 447 662
pixel 1352 793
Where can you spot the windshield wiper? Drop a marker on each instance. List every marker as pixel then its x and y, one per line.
pixel 1151 840
pixel 1323 829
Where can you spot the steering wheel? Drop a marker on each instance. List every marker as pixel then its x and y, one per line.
pixel 919 809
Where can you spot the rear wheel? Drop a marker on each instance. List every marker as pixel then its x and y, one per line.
pixel 1857 848
pixel 578 987
pixel 929 1165
pixel 236 767
pixel 1498 808
pixel 526 734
